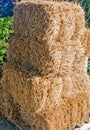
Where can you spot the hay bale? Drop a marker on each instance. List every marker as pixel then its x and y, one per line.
pixel 43 19
pixel 48 25
pixel 45 96
pixel 25 87
pixel 38 20
pixel 40 48
pixel 73 13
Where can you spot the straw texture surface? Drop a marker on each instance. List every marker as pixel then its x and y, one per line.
pixel 44 83
pixel 48 24
pixel 44 99
pixel 85 39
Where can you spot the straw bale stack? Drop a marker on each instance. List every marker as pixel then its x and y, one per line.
pixel 51 101
pixel 46 29
pixel 44 80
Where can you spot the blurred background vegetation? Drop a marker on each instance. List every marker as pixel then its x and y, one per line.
pixel 6 29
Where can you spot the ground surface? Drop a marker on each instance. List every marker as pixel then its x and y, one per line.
pixel 6 125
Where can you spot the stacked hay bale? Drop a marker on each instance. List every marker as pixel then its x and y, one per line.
pixel 44 80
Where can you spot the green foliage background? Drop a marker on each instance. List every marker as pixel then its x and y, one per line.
pixel 6 29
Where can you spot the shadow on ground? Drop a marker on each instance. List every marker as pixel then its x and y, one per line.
pixel 6 125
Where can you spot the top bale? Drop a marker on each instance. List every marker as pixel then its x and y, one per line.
pixel 44 20
pixel 41 29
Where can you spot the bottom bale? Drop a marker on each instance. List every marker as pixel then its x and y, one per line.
pixel 64 117
pixel 41 101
